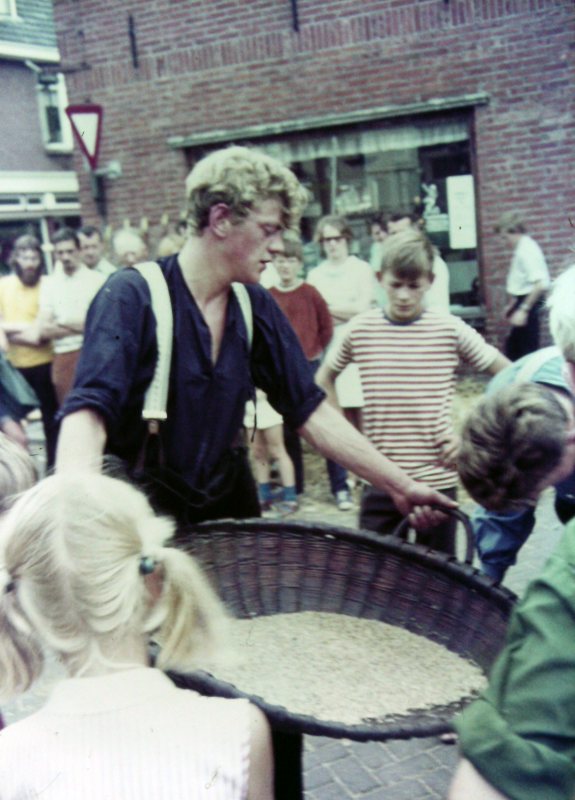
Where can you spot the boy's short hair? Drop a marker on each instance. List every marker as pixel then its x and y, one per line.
pixel 339 223
pixel 293 247
pixel 510 443
pixel 561 304
pixel 408 254
pixel 510 222
pixel 241 177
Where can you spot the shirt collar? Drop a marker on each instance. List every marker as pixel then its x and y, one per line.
pixel 96 695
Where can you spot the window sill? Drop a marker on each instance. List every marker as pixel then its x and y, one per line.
pixel 59 148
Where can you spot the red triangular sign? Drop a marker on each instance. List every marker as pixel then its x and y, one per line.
pixel 86 121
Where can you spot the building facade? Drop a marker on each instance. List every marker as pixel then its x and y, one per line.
pixel 38 183
pixel 466 106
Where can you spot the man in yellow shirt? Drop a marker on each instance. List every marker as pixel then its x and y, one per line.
pixel 27 351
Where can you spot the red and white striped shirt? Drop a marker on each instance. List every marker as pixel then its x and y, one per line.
pixel 408 379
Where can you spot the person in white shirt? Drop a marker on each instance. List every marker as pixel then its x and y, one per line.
pixel 527 281
pixel 348 286
pixel 65 297
pixel 92 248
pixel 85 572
pixel 437 297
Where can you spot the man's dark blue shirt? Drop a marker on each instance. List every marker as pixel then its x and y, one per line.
pixel 206 401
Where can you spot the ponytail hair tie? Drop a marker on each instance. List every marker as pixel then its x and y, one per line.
pixel 147 565
pixel 9 586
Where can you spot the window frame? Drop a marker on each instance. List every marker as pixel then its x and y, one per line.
pixel 12 12
pixel 43 90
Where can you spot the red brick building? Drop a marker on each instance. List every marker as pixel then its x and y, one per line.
pixel 468 104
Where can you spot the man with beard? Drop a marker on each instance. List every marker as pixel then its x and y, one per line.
pixel 27 351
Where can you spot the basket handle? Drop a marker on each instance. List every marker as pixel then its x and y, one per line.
pixel 453 512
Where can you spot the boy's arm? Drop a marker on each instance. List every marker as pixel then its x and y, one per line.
pixel 474 349
pixel 499 362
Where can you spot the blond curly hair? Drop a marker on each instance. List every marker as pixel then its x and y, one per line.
pixel 241 177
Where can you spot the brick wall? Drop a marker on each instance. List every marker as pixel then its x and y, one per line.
pixel 20 132
pixel 231 63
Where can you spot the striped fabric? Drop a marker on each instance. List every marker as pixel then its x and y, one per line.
pixel 408 378
pixel 131 736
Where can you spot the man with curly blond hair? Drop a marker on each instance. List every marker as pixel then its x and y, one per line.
pixel 238 203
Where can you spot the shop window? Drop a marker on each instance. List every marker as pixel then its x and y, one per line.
pixel 417 163
pixel 52 99
pixel 423 165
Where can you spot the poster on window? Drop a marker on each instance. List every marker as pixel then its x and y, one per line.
pixel 461 210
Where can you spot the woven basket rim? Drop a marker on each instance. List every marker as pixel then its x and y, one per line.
pixel 421 722
pixel 459 571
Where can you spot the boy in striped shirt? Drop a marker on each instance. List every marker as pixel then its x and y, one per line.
pixel 407 357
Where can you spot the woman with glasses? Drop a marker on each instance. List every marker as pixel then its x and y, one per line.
pixel 348 286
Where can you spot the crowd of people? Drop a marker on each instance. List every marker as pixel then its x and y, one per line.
pixel 357 358
pixel 42 316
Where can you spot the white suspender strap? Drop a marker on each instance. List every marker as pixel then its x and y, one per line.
pixel 535 362
pixel 156 399
pixel 246 308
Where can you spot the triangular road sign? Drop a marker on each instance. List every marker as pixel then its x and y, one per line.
pixel 86 121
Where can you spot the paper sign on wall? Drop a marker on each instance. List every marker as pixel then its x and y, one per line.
pixel 461 210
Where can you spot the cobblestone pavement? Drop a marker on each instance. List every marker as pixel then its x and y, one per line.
pixel 415 769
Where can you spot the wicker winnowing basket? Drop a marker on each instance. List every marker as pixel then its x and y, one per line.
pixel 262 567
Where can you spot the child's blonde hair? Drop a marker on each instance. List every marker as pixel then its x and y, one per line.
pixel 17 471
pixel 73 550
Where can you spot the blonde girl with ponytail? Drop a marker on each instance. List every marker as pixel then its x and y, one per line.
pixel 86 573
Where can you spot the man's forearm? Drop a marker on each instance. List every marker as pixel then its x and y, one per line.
pixel 331 434
pixel 81 442
pixel 29 336
pixel 53 330
pixel 14 327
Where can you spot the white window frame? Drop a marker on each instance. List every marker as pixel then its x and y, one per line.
pixel 59 90
pixel 11 13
